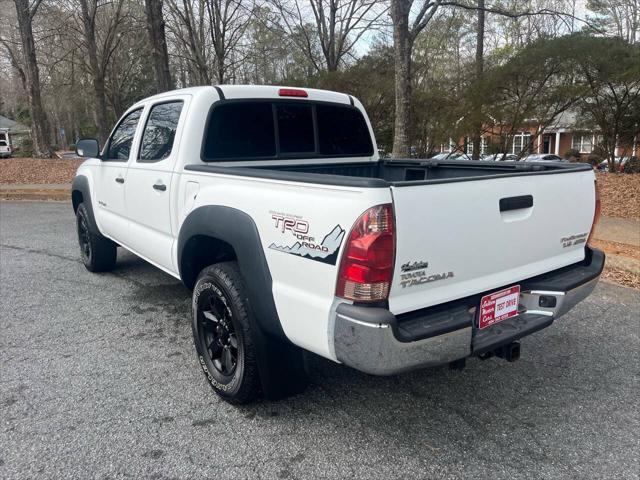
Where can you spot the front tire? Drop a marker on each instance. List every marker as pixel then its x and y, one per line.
pixel 222 333
pixel 98 253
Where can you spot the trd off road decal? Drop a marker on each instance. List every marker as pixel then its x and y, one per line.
pixel 306 245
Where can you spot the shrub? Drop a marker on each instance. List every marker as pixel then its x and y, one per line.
pixel 572 155
pixel 632 165
pixel 594 159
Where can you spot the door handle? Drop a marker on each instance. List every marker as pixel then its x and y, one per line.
pixel 160 186
pixel 120 179
pixel 516 203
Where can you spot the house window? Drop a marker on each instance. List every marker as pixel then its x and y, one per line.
pixel 483 146
pixel 582 142
pixel 448 147
pixel 521 141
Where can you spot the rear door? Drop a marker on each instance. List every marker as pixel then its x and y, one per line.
pixel 109 205
pixel 459 238
pixel 149 182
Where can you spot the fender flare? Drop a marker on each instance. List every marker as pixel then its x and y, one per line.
pixel 282 365
pixel 81 184
pixel 238 229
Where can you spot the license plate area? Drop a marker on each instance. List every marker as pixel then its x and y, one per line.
pixel 498 306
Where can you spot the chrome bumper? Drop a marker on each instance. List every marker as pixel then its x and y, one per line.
pixel 370 339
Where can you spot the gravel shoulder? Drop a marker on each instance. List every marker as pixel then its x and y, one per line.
pixel 99 379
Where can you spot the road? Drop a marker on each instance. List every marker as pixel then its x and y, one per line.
pixel 98 379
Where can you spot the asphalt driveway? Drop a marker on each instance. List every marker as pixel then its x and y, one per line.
pixel 98 379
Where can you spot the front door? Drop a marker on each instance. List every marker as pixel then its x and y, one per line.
pixel 546 144
pixel 111 178
pixel 149 183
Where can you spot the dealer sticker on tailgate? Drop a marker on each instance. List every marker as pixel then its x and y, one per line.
pixel 498 306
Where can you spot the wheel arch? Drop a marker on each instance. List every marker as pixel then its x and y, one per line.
pixel 81 193
pixel 212 234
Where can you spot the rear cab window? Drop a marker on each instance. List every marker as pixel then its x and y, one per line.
pixel 241 130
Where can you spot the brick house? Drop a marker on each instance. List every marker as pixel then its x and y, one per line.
pixel 561 136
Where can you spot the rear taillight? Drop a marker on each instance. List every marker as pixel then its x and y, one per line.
pixel 366 268
pixel 292 92
pixel 596 213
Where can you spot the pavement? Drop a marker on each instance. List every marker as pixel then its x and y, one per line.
pixel 620 230
pixel 98 378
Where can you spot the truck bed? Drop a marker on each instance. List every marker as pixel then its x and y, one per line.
pixel 393 172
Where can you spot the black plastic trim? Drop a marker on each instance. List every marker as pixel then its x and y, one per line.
pixel 81 184
pixel 281 364
pixel 238 230
pixel 220 92
pixel 516 203
pixel 316 178
pixel 513 169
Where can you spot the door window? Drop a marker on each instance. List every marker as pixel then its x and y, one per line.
pixel 122 137
pixel 160 131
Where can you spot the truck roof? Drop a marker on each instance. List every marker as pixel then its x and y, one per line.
pixel 255 91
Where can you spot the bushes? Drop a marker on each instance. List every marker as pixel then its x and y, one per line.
pixel 594 159
pixel 572 155
pixel 632 165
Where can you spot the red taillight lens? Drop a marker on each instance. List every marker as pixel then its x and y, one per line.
pixel 597 211
pixel 366 268
pixel 292 92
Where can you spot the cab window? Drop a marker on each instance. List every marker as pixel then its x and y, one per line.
pixel 160 131
pixel 122 137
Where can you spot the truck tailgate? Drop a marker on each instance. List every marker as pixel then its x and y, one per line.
pixel 459 238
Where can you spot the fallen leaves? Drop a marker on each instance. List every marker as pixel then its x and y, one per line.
pixel 35 170
pixel 620 194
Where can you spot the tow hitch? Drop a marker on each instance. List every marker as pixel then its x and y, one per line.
pixel 510 352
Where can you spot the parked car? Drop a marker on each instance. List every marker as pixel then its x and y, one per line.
pixel 543 157
pixel 272 206
pixel 618 162
pixel 451 156
pixel 5 149
pixel 499 157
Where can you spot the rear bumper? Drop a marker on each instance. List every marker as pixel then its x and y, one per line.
pixel 375 341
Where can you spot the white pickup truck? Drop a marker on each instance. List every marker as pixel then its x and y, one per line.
pixel 272 205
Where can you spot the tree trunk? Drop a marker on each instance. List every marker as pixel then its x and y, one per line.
pixel 477 102
pixel 40 133
pixel 97 73
pixel 155 27
pixel 402 46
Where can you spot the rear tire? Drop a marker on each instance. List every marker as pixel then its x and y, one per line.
pixel 222 333
pixel 98 253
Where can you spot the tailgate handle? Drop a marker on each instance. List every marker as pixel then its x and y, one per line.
pixel 516 203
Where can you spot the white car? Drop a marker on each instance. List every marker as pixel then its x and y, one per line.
pixel 543 157
pixel 499 157
pixel 272 206
pixel 5 149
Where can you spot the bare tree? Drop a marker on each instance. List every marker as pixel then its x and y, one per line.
pixel 40 133
pixel 155 27
pixel 404 37
pixel 100 55
pixel 618 17
pixel 228 21
pixel 328 30
pixel 189 31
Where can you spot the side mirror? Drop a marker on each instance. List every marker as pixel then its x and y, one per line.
pixel 88 147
